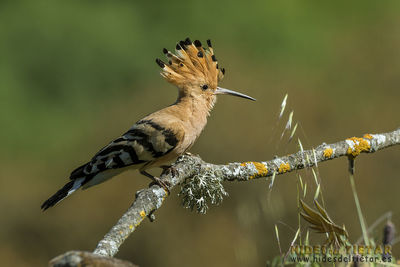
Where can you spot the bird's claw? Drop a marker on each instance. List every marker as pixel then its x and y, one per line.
pixel 161 183
pixel 169 170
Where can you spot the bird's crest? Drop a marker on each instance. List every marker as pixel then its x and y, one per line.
pixel 191 65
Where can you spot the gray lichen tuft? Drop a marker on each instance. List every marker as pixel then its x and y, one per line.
pixel 203 188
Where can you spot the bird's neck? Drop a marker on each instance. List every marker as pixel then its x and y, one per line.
pixel 197 107
pixel 192 112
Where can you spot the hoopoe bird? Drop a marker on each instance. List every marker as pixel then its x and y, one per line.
pixel 159 138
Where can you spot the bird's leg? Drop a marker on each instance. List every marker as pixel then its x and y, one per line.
pixel 169 170
pixel 156 180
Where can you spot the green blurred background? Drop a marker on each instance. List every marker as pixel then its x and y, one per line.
pixel 75 74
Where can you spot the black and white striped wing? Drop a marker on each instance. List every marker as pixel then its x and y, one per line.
pixel 144 142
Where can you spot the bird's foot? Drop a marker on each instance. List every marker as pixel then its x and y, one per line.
pixel 164 184
pixel 169 170
pixel 157 181
pixel 189 154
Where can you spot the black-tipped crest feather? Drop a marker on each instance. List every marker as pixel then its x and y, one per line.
pixel 192 63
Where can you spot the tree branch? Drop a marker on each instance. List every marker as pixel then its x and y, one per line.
pixel 149 200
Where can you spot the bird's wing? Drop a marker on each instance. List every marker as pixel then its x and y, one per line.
pixel 144 142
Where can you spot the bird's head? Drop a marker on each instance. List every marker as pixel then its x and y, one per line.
pixel 195 71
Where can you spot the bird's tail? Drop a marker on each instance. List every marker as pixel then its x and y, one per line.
pixel 67 190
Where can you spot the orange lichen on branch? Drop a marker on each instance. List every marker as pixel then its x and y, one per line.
pixel 284 167
pixel 368 136
pixel 328 152
pixel 261 169
pixel 142 214
pixel 357 145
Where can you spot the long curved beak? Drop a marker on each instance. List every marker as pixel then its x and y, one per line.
pixel 223 91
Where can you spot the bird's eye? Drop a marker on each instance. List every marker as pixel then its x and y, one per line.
pixel 204 87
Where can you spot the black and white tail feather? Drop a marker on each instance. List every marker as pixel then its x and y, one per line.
pixel 67 189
